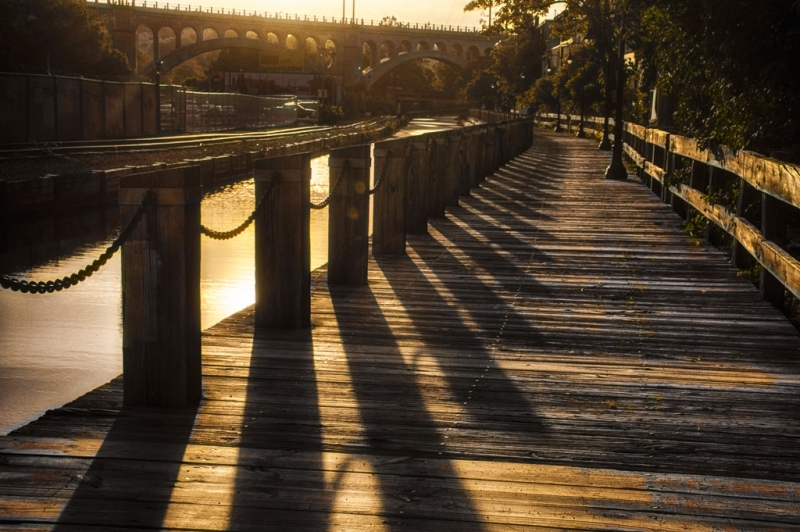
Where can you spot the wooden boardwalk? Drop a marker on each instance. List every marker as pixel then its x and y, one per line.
pixel 556 354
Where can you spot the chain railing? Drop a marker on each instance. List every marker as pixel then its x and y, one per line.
pixel 324 203
pixel 42 287
pixel 227 235
pixel 382 176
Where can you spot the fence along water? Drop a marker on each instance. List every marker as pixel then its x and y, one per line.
pixel 41 108
pixel 160 248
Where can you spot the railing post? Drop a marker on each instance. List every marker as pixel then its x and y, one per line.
pixel 464 166
pixel 773 228
pixel 748 195
pixel 437 176
pixel 283 263
pixel 418 188
pixel 491 139
pixel 348 216
pixel 473 152
pixel 481 151
pixel 161 290
pixel 389 206
pixel 453 168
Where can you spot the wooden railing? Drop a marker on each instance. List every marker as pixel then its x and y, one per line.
pixel 415 178
pixel 684 175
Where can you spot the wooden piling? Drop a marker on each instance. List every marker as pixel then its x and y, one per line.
pixel 283 260
pixel 489 150
pixel 418 188
pixel 348 216
pixel 453 169
pixel 463 163
pixel 437 175
pixel 389 204
pixel 161 290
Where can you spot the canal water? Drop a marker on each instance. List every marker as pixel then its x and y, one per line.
pixel 56 347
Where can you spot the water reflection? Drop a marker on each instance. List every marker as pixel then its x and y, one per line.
pixel 55 347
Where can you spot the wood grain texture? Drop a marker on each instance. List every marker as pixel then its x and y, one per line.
pixel 547 357
pixel 389 203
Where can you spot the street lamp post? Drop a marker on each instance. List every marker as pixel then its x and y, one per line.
pixel 605 144
pixel 616 170
pixel 159 63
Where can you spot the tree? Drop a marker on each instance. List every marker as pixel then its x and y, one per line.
pixel 729 67
pixel 58 36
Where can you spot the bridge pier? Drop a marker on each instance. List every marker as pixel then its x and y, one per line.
pixel 348 216
pixel 283 260
pixel 161 290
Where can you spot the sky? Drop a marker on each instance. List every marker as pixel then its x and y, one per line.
pixel 447 12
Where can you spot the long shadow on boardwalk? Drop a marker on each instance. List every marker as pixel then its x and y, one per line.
pixel 399 420
pixel 102 496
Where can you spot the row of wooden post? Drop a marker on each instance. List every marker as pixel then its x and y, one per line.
pixel 419 176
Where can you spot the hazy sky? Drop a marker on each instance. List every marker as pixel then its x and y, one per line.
pixel 448 12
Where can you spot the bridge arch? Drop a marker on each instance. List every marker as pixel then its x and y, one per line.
pixel 440 46
pixel 388 51
pixel 167 41
pixel 292 42
pixel 422 46
pixel 369 55
pixel 405 47
pixel 231 33
pixel 251 35
pixel 273 38
pixel 144 46
pixel 373 75
pixel 473 53
pixel 188 36
pixel 180 55
pixel 209 34
pixel 457 49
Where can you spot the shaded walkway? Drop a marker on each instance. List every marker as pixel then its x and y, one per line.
pixel 555 354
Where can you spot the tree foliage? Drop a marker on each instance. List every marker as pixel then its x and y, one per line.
pixel 730 67
pixel 58 36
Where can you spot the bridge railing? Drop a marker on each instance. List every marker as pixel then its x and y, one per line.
pixel 746 195
pixel 280 15
pixel 414 179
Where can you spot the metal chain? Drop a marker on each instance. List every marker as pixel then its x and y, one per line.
pixel 227 235
pixel 41 287
pixel 383 173
pixel 324 203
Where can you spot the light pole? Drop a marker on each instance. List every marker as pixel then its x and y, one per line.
pixel 616 170
pixel 159 63
pixel 605 144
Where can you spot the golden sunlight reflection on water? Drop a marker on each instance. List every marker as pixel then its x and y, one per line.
pixel 227 268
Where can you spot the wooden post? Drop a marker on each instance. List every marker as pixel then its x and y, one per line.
pixel 3 216
pixel 773 228
pixel 473 142
pixel 463 163
pixel 161 290
pixel 480 156
pixel 418 188
pixel 453 168
pixel 748 195
pixel 389 207
pixel 716 180
pixel 283 259
pixel 505 144
pixel 489 145
pixel 437 176
pixel 348 216
pixel 668 166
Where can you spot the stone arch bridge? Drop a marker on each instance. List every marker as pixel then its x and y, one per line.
pixel 349 48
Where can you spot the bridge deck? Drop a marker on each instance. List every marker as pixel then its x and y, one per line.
pixel 555 354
